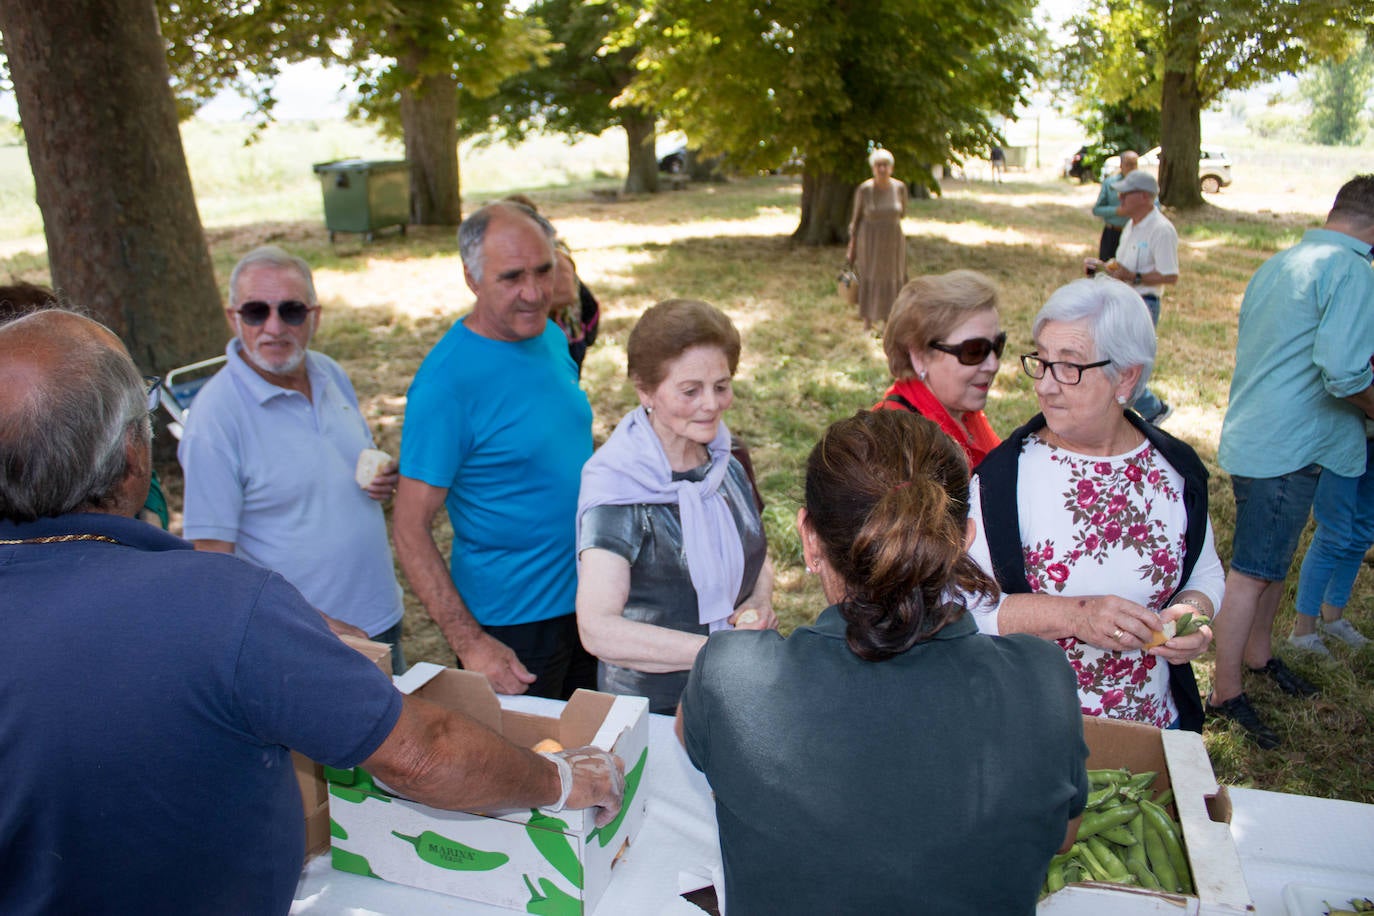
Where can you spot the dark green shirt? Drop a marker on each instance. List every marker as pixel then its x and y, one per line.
pixel 938 781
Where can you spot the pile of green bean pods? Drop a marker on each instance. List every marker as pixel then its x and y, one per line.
pixel 1125 837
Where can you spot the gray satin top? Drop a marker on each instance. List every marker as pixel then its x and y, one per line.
pixel 649 537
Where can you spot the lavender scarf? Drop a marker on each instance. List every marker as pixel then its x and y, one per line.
pixel 631 468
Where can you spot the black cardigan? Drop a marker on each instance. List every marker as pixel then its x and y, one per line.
pixel 997 476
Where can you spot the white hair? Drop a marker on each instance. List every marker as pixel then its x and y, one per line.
pixel 879 155
pixel 1117 319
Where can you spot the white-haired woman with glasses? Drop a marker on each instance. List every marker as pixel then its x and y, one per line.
pixel 877 247
pixel 1093 522
pixel 944 343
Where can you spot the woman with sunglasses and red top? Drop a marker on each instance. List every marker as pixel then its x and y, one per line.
pixel 943 343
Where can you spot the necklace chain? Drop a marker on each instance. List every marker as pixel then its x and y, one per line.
pixel 61 538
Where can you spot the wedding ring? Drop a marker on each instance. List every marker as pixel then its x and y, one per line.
pixel 1118 634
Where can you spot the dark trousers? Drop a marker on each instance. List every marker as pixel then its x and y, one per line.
pixel 553 653
pixel 1106 247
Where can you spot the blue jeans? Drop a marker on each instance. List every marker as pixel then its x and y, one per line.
pixel 1344 510
pixel 1270 515
pixel 1148 405
pixel 392 637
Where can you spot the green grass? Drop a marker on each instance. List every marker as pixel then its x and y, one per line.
pixel 806 362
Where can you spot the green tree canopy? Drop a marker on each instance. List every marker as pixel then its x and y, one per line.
pixel 415 62
pixel 1338 92
pixel 1187 53
pixel 763 81
pixel 577 89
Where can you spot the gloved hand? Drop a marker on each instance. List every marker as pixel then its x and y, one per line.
pixel 590 778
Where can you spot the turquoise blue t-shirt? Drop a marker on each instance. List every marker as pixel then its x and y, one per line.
pixel 504 427
pixel 1305 340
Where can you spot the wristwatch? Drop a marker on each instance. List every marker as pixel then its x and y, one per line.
pixel 1137 278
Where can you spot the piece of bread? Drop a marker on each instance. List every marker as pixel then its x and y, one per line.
pixel 547 746
pixel 747 618
pixel 370 461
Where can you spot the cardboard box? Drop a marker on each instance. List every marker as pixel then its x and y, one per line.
pixel 310 775
pixel 1202 808
pixel 522 859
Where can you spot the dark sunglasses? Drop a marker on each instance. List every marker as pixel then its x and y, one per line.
pixel 973 351
pixel 291 311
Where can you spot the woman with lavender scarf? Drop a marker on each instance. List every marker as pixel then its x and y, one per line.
pixel 670 542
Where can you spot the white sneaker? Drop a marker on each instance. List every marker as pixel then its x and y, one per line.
pixel 1344 631
pixel 1310 642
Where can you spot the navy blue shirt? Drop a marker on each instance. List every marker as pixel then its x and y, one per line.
pixel 148 699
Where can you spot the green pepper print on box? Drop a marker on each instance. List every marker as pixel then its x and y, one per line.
pixel 445 853
pixel 548 836
pixel 553 901
pixel 343 860
pixel 632 778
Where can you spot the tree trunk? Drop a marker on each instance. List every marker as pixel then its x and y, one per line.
pixel 825 207
pixel 119 214
pixel 429 120
pixel 1180 113
pixel 641 176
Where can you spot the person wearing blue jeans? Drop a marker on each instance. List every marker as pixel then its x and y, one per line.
pixel 1147 258
pixel 1300 393
pixel 1344 510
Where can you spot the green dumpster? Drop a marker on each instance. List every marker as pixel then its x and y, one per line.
pixel 363 195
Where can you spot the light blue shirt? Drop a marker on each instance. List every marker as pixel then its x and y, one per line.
pixel 1107 201
pixel 504 427
pixel 272 471
pixel 1305 340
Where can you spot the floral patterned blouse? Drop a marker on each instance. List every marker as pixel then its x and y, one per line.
pixel 1104 526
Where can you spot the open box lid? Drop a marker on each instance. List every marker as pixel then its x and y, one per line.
pixel 589 717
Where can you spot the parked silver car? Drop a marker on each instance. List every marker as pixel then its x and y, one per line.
pixel 1214 167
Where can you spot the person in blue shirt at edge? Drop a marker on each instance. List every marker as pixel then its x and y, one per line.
pixel 1113 221
pixel 1299 398
pixel 270 452
pixel 911 748
pixel 148 770
pixel 496 431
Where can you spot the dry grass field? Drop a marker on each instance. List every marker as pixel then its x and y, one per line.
pixel 806 361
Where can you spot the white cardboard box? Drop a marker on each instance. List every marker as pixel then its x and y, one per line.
pixel 521 859
pixel 1203 810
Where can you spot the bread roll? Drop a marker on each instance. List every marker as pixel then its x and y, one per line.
pixel 547 746
pixel 370 461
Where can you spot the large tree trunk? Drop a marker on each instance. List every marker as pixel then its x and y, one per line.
pixel 825 206
pixel 1180 113
pixel 124 238
pixel 641 177
pixel 429 120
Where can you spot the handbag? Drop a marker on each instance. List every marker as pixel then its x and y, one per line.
pixel 847 285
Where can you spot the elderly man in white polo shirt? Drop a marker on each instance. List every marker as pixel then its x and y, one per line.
pixel 270 452
pixel 1147 258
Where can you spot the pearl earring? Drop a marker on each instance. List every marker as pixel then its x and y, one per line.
pixel 921 374
pixel 809 570
pixel 1121 399
pixel 648 410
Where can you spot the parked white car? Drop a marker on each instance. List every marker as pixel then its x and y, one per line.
pixel 1214 167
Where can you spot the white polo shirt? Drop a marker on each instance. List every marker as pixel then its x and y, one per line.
pixel 1149 245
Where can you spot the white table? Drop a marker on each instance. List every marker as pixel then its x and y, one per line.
pixel 1301 841
pixel 1282 839
pixel 679 834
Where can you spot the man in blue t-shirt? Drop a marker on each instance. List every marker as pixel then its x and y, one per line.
pixel 145 739
pixel 497 431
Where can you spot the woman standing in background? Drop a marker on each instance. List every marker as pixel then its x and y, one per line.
pixel 877 248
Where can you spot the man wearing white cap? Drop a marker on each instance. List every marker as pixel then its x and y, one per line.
pixel 1147 258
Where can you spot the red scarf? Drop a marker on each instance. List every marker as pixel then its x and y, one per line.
pixel 974 435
